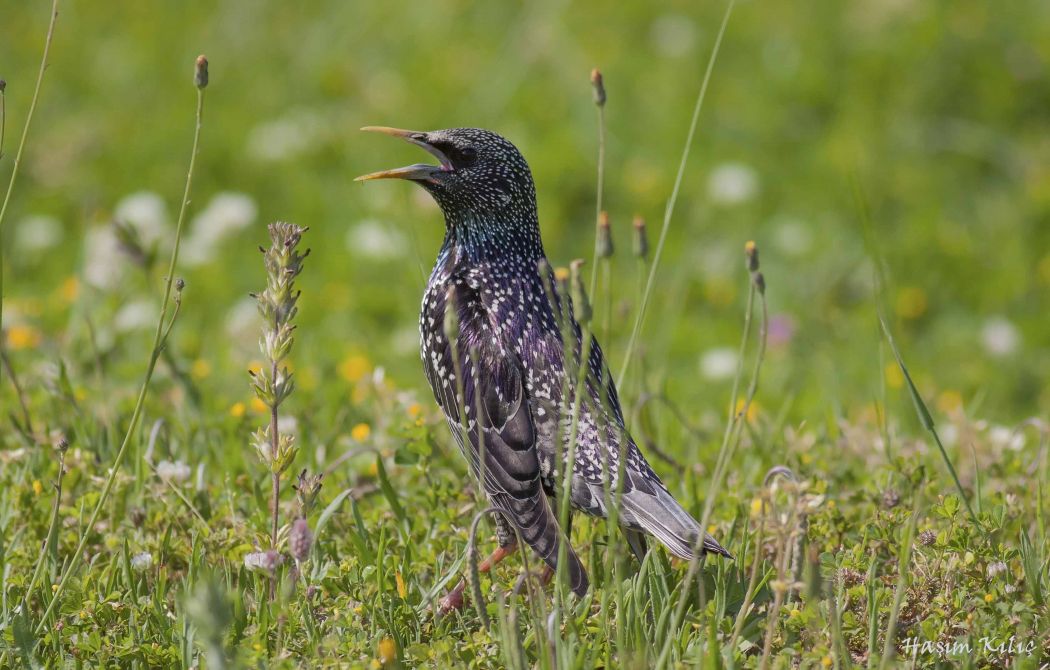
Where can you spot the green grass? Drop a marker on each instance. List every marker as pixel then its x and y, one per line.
pixel 867 503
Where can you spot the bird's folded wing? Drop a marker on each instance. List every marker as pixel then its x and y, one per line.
pixel 496 431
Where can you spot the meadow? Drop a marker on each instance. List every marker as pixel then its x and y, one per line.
pixel 841 363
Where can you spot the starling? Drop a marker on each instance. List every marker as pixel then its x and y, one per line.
pixel 510 359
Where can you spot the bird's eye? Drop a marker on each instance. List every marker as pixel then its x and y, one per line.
pixel 467 155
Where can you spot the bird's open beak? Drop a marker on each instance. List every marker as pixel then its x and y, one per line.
pixel 417 172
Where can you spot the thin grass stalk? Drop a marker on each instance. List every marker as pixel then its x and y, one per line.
pixel 729 440
pixel 927 421
pixel 570 460
pixel 52 530
pixel 925 418
pixel 840 656
pixel 752 586
pixel 599 99
pixel 19 393
pixel 889 646
pixel 159 340
pixel 672 201
pixel 782 585
pixel 21 149
pixel 275 477
pixel 3 115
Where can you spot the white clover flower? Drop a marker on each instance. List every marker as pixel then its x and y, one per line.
pixel 37 233
pixel 718 363
pixel 1006 438
pixel 263 561
pixel 1000 336
pixel 141 562
pixel 732 184
pixel 995 569
pixel 223 216
pixel 146 212
pixel 376 239
pixel 176 472
pixel 103 265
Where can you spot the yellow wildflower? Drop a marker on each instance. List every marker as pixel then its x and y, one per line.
pixel 23 337
pixel 826 662
pixel 989 597
pixel 238 409
pixel 402 590
pixel 38 488
pixel 752 409
pixel 387 651
pixel 259 406
pixel 757 506
pixel 414 409
pixel 361 432
pixel 354 367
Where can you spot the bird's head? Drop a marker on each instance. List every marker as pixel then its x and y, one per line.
pixel 479 173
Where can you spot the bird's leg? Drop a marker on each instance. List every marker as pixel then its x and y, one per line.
pixel 454 599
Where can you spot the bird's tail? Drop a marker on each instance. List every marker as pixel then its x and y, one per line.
pixel 657 512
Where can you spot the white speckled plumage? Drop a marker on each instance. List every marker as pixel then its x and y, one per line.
pixel 511 358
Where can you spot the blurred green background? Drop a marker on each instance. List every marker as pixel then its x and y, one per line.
pixel 939 111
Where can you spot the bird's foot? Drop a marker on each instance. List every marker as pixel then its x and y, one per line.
pixel 453 600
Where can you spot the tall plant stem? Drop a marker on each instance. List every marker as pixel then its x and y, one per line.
pixel 21 148
pixel 598 197
pixel 159 339
pixel 669 210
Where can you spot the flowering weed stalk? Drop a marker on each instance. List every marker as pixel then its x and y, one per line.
pixel 21 146
pixel 273 383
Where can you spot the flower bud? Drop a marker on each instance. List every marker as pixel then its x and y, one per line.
pixel 604 243
pixel 200 73
pixel 641 238
pixel 3 85
pixel 581 306
pixel 300 540
pixel 751 253
pixel 599 87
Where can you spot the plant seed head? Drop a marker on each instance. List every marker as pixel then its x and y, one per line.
pixel 200 74
pixel 581 306
pixel 751 253
pixel 641 238
pixel 599 87
pixel 605 243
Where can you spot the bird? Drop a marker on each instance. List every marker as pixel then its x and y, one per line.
pixel 504 382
